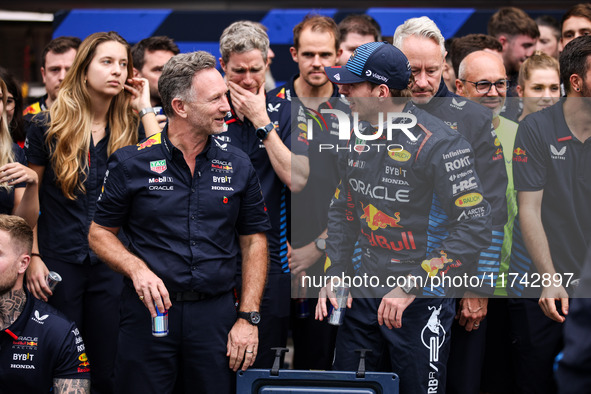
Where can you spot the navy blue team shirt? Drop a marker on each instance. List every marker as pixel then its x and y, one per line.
pixel 71 217
pixel 310 206
pixel 474 122
pixel 185 227
pixel 241 134
pixel 548 157
pixel 41 345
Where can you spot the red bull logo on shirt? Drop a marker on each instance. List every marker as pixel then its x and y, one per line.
pixel 221 166
pixel 433 266
pixel 83 360
pixel 406 242
pixel 519 155
pixel 498 154
pixel 377 219
pixel 153 140
pixel 25 343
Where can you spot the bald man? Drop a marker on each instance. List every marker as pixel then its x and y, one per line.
pixel 482 78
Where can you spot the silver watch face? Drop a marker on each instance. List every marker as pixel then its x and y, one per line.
pixel 255 317
pixel 321 244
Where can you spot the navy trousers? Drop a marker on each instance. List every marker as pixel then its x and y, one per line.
pixel 417 351
pixel 195 347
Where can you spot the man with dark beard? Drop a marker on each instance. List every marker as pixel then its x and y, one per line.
pixel 39 348
pixel 552 180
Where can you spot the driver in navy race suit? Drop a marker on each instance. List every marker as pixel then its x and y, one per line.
pixel 395 196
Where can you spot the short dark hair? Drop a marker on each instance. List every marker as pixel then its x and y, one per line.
pixel 361 24
pixel 463 46
pixel 583 10
pixel 60 45
pixel 551 22
pixel 447 43
pixel 573 60
pixel 20 232
pixel 316 23
pixel 151 44
pixel 512 21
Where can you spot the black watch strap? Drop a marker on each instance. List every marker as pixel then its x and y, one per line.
pixel 253 318
pixel 320 244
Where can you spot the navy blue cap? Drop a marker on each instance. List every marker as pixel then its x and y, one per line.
pixel 376 62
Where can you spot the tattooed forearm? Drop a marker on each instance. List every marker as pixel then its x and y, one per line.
pixel 71 386
pixel 11 306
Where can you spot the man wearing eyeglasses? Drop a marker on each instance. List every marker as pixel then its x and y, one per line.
pixel 483 79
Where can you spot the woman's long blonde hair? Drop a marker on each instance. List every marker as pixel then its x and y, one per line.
pixel 6 153
pixel 71 119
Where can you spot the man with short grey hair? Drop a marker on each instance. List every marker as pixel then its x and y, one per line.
pixel 263 130
pixel 422 42
pixel 189 206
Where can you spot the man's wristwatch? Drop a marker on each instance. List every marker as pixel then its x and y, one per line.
pixel 253 318
pixel 148 110
pixel 410 285
pixel 320 244
pixel 263 132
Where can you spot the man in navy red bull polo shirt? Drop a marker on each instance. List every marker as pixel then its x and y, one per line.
pixel 189 207
pixel 39 348
pixel 263 130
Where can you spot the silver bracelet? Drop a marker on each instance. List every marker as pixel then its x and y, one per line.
pixel 146 111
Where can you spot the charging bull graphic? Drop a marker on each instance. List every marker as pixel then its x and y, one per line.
pixel 377 219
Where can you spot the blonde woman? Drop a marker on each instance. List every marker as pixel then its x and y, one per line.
pixel 68 147
pixel 18 183
pixel 538 83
